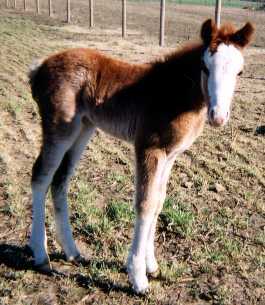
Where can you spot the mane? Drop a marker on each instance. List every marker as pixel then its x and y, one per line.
pixel 223 35
pixel 181 63
pixel 175 77
pixel 181 52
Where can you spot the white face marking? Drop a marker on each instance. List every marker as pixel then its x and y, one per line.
pixel 224 66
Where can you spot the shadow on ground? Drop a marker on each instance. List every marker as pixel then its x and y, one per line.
pixel 20 258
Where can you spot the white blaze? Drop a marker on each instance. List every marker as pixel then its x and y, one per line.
pixel 223 66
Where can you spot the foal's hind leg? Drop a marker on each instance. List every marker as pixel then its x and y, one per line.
pixel 59 188
pixel 49 159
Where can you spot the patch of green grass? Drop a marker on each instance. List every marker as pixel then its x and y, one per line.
pixel 92 223
pixel 13 203
pixel 223 249
pixel 214 256
pixel 230 247
pixel 225 3
pixel 12 106
pixel 177 217
pixel 87 218
pixel 260 238
pixel 119 212
pixel 260 262
pixel 171 271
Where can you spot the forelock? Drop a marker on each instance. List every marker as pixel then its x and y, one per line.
pixel 222 35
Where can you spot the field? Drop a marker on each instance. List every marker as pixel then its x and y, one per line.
pixel 210 238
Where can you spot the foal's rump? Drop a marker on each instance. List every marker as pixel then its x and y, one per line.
pixel 84 83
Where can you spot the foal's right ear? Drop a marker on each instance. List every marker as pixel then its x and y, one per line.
pixel 244 36
pixel 208 31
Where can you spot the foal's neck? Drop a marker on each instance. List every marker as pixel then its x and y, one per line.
pixel 176 79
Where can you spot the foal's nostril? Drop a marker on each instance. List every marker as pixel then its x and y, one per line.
pixel 211 114
pixel 217 119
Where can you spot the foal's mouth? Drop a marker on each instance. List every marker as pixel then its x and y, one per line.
pixel 217 120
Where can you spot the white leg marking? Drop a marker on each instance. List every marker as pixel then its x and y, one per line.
pixel 63 227
pixel 136 264
pixel 50 161
pixel 151 263
pixel 136 261
pixel 38 239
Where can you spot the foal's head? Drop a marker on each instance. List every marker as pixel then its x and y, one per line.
pixel 222 62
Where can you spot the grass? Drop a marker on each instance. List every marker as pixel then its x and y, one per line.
pixel 177 218
pixel 225 3
pixel 210 241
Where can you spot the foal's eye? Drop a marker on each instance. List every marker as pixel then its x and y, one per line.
pixel 205 69
pixel 240 73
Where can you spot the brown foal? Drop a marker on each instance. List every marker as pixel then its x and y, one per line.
pixel 160 107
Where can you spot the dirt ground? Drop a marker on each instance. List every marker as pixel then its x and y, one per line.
pixel 211 233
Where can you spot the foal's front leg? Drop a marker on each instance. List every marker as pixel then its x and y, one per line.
pixel 151 263
pixel 149 169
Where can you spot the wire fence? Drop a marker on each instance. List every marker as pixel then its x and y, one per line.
pixel 256 4
pixel 170 21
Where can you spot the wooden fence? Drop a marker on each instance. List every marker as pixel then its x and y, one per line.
pixel 13 4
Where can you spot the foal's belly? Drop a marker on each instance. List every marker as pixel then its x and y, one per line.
pixel 120 126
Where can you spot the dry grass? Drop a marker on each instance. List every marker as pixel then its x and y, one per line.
pixel 210 240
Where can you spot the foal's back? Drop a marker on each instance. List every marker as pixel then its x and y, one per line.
pixel 84 83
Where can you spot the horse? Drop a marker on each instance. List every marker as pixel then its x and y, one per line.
pixel 160 107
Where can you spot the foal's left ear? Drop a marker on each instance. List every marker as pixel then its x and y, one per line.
pixel 208 31
pixel 243 36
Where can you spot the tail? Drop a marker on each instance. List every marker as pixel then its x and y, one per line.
pixel 33 71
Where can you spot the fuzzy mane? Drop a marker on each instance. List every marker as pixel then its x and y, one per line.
pixel 222 35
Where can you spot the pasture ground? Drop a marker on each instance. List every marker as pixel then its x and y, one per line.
pixel 210 239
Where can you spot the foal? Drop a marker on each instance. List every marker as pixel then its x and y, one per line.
pixel 160 107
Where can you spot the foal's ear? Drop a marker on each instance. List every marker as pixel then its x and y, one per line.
pixel 243 36
pixel 208 31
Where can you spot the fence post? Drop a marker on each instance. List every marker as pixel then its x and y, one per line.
pixel 162 23
pixel 25 5
pixel 6 3
pixel 37 6
pixel 68 11
pixel 15 4
pixel 50 8
pixel 218 5
pixel 124 19
pixel 91 13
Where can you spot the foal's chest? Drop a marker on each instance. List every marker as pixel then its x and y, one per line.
pixel 185 130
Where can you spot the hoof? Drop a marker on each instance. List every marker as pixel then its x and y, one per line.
pixel 154 274
pixel 44 267
pixel 142 291
pixel 41 263
pixel 140 285
pixel 78 260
